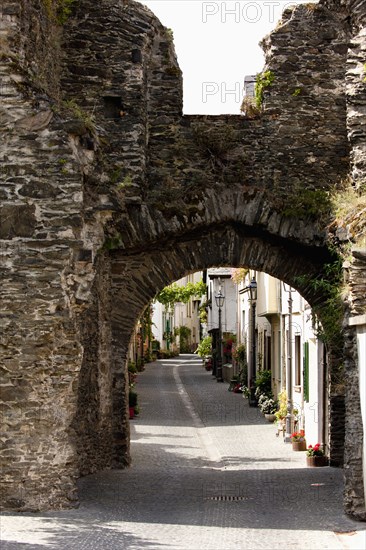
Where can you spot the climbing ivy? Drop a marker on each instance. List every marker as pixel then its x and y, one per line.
pixel 330 310
pixel 174 293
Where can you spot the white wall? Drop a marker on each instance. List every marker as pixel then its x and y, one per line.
pixel 229 310
pixel 183 315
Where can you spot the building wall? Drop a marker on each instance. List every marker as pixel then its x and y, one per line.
pixel 221 278
pixel 272 320
pixel 181 315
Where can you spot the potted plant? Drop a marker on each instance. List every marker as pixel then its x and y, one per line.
pixel 263 383
pixel 132 403
pixel 204 349
pixel 268 406
pixel 315 456
pixel 132 373
pixel 208 362
pixel 282 411
pixel 298 441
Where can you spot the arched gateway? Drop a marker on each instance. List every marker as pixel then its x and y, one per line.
pixel 109 193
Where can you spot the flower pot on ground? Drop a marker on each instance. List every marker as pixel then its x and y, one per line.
pixel 315 456
pixel 207 361
pixel 299 445
pixel 316 461
pixel 132 403
pixel 282 406
pixel 267 405
pixel 270 417
pixel 298 441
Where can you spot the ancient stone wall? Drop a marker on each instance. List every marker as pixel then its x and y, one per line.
pixel 40 341
pixel 109 193
pixel 352 229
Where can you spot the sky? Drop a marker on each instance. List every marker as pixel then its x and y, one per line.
pixel 217 45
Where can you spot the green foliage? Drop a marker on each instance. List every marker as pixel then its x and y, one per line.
pixel 329 286
pixel 296 92
pixel 112 243
pixel 348 209
pixel 267 405
pixel 166 354
pixel 155 345
pixel 262 81
pixel 205 347
pixel 263 382
pixel 59 10
pixel 184 334
pixel 132 399
pixel 115 175
pixel 308 203
pixel 78 113
pixel 240 354
pixel 147 324
pixel 132 367
pixel 203 314
pixel 282 411
pixel 126 182
pixel 174 293
pixel 64 10
pixel 249 107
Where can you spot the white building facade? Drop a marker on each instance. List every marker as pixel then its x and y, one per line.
pixel 286 344
pixel 166 320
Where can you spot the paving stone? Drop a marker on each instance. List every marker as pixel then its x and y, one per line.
pixel 207 472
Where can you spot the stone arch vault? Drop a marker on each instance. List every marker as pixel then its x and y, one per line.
pixel 109 193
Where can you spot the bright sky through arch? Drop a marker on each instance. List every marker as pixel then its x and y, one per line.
pixel 217 45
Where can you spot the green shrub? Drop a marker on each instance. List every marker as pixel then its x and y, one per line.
pixel 263 382
pixel 132 399
pixel 205 347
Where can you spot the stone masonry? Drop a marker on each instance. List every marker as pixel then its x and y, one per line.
pixel 108 193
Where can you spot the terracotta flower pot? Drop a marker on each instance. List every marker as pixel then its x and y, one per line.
pixel 316 461
pixel 299 445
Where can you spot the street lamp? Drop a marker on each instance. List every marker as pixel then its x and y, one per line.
pixel 290 408
pixel 253 370
pixel 219 299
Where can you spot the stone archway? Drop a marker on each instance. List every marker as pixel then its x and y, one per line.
pixel 106 183
pixel 125 284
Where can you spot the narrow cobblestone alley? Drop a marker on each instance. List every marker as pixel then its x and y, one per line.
pixel 208 472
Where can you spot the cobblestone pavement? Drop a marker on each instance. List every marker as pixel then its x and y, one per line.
pixel 208 473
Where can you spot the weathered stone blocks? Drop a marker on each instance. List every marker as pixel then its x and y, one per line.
pixel 109 193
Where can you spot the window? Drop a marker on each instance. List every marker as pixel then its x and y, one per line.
pixel 113 107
